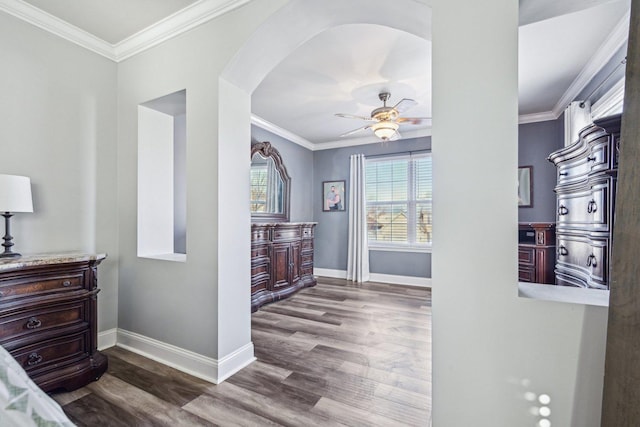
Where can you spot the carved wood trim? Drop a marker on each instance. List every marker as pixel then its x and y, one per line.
pixel 266 150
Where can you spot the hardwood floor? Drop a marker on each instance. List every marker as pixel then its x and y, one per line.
pixel 336 354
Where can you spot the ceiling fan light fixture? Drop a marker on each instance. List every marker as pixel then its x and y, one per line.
pixel 385 129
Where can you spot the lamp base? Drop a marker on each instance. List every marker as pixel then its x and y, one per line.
pixel 8 253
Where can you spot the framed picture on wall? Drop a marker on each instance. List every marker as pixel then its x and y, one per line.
pixel 333 196
pixel 525 186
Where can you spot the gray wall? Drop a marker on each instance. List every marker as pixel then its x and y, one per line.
pixel 535 142
pixel 59 121
pixel 299 163
pixel 331 232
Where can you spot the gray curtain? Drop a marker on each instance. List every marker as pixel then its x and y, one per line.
pixel 358 259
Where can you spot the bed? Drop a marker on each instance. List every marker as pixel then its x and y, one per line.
pixel 22 403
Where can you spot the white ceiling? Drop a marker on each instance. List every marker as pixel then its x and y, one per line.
pixel 341 70
pixel 112 21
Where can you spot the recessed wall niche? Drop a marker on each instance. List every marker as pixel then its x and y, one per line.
pixel 162 185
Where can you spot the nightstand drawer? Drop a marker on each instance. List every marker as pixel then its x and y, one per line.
pixel 38 285
pixel 526 255
pixel 30 324
pixel 53 353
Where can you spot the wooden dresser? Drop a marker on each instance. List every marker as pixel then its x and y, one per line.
pixel 586 188
pixel 281 260
pixel 536 252
pixel 48 318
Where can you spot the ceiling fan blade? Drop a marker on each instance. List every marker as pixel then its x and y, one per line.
pixel 351 116
pixel 395 136
pixel 404 104
pixel 351 132
pixel 413 120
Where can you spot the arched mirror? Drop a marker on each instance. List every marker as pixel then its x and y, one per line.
pixel 269 184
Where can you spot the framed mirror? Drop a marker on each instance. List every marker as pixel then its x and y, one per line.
pixel 270 184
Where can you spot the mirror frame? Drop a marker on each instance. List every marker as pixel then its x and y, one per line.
pixel 268 151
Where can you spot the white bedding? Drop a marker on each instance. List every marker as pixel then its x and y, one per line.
pixel 22 403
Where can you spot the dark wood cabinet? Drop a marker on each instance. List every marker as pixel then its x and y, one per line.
pixel 587 177
pixel 281 260
pixel 536 252
pixel 48 318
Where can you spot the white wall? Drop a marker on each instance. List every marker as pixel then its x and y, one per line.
pixel 58 126
pixel 155 182
pixel 201 305
pixel 491 348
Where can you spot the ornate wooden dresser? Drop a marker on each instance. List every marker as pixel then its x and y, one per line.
pixel 586 188
pixel 536 252
pixel 48 317
pixel 281 260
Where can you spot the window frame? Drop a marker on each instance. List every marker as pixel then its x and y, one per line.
pixel 411 245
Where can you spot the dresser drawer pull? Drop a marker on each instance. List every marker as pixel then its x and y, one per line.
pixel 34 359
pixel 562 251
pixel 592 206
pixel 562 210
pixel 591 261
pixel 33 323
pixel 563 173
pixel 591 159
pixel 66 283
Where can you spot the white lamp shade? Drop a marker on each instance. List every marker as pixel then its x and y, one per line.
pixel 15 194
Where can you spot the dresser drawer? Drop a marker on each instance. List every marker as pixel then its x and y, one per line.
pixel 306 258
pixel 31 324
pixel 259 254
pixel 526 255
pixel 260 234
pixel 589 208
pixel 284 234
pixel 596 158
pixel 307 232
pixel 42 284
pixel 53 353
pixel 585 257
pixel 307 245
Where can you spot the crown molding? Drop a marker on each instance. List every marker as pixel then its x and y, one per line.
pixel 173 25
pixel 372 139
pixel 601 57
pixel 277 130
pixel 537 117
pixel 57 26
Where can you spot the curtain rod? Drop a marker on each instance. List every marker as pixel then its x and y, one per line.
pixel 403 153
pixel 624 61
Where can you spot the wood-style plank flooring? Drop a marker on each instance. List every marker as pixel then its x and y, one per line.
pixel 336 354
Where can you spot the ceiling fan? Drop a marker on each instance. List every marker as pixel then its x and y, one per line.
pixel 386 120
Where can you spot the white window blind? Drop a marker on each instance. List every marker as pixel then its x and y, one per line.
pixel 398 192
pixel 258 188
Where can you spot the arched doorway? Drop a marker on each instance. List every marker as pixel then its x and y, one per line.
pixel 276 38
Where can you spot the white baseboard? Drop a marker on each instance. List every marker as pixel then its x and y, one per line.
pixel 326 272
pixel 195 364
pixel 377 277
pixel 107 338
pixel 424 282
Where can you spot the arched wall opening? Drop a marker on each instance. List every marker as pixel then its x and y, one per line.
pixel 294 24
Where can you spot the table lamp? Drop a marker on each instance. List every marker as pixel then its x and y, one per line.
pixel 15 196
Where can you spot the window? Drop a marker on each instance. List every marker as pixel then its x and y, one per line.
pixel 398 193
pixel 258 187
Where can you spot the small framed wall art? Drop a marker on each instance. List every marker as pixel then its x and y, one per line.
pixel 333 196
